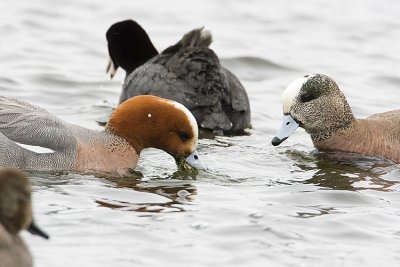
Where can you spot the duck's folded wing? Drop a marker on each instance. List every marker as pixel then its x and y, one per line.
pixel 187 72
pixel 237 93
pixel 189 88
pixel 28 124
pixel 196 69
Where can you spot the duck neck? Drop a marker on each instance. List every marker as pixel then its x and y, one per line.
pixel 139 58
pixel 362 136
pixel 340 137
pixel 342 119
pixel 134 139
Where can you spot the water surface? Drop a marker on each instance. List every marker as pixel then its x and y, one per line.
pixel 280 206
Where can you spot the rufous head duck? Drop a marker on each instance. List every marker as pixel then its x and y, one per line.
pixel 150 121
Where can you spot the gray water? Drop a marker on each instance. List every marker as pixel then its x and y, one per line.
pixel 259 205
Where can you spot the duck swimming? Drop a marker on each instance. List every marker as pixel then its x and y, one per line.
pixel 15 215
pixel 315 103
pixel 136 124
pixel 188 72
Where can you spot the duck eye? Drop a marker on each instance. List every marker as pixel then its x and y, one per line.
pixel 184 136
pixel 306 97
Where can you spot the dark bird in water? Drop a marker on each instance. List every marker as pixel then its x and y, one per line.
pixel 188 72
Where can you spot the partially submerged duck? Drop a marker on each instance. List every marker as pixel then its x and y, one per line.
pixel 138 123
pixel 15 215
pixel 315 103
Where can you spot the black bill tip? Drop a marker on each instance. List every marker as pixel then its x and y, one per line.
pixel 35 230
pixel 276 141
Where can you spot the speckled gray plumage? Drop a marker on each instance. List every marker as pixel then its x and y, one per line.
pixel 30 125
pixel 190 73
pixel 328 113
pixel 27 124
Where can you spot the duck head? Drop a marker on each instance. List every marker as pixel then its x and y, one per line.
pixel 315 103
pixel 150 121
pixel 129 46
pixel 15 203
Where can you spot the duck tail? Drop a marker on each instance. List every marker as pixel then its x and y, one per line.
pixel 197 38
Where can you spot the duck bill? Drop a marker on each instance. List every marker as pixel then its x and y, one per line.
pixel 194 161
pixel 35 230
pixel 111 67
pixel 289 125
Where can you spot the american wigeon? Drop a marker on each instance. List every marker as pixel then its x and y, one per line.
pixel 315 103
pixel 15 215
pixel 136 124
pixel 188 72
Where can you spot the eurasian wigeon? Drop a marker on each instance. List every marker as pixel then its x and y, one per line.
pixel 15 215
pixel 138 123
pixel 315 103
pixel 188 72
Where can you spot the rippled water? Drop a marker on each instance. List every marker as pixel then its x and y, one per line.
pixel 284 206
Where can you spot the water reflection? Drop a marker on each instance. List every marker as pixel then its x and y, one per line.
pixel 53 178
pixel 344 171
pixel 169 188
pixel 176 188
pixel 318 212
pixel 169 194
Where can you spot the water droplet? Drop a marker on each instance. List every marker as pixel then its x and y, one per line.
pixel 158 218
pixel 200 225
pixel 256 215
pixel 183 193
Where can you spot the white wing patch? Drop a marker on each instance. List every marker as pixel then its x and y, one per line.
pixel 36 149
pixel 291 92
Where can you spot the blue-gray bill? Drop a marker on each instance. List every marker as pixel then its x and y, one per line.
pixel 194 161
pixel 289 125
pixel 35 230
